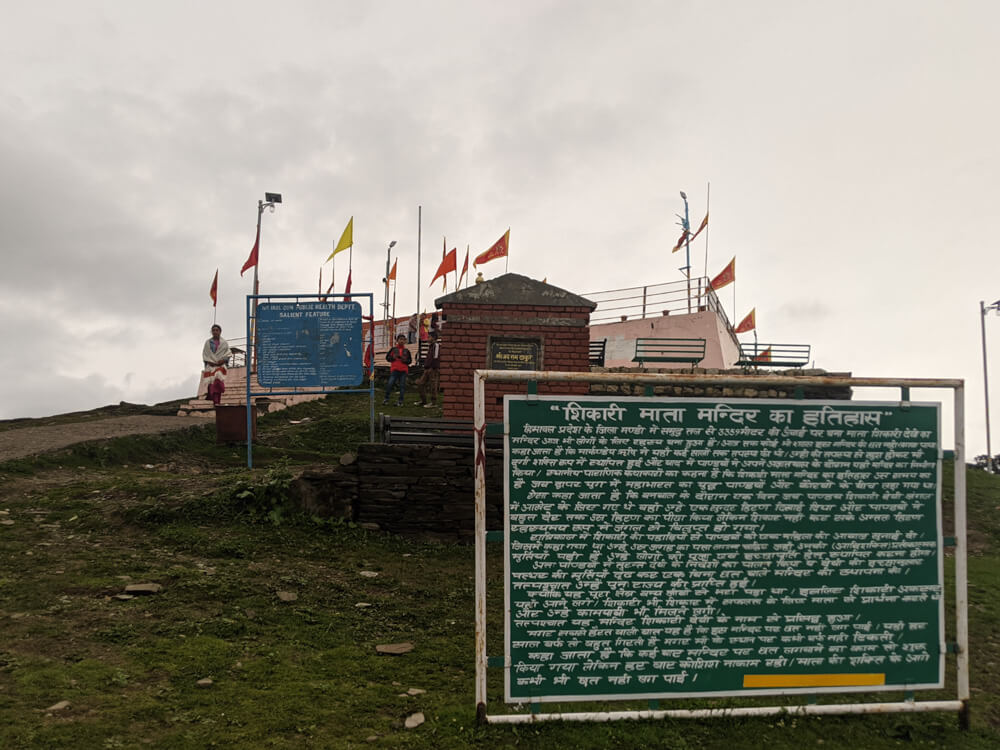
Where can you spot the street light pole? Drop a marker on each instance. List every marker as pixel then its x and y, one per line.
pixel 270 199
pixel 983 309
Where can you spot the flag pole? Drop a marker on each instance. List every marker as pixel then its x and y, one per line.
pixel 420 210
pixel 708 211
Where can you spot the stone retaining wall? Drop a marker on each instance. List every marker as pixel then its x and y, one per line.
pixel 423 491
pixel 428 491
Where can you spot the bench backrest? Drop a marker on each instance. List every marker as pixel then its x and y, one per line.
pixel 597 350
pixel 774 355
pixel 691 351
pixel 398 430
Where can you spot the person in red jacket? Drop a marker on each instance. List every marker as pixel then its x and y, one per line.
pixel 399 365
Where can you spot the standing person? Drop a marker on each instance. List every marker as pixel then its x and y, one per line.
pixel 399 365
pixel 432 373
pixel 215 355
pixel 411 328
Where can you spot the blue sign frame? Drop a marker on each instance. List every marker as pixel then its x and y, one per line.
pixel 309 343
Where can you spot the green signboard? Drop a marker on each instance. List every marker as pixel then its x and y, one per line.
pixel 694 547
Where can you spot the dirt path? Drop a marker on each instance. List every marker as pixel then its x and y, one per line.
pixel 30 441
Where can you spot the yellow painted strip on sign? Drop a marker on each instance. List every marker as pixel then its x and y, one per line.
pixel 810 680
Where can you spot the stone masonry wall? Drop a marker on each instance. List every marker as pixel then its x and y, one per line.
pixel 428 491
pixel 425 490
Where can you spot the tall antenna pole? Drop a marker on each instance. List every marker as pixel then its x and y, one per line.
pixel 687 248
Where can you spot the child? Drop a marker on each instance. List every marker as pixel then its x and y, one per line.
pixel 399 365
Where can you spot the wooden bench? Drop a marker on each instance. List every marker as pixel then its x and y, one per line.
pixel 774 355
pixel 690 351
pixel 399 430
pixel 597 349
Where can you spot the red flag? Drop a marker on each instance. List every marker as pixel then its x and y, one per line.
pixel 764 356
pixel 748 323
pixel 465 266
pixel 726 276
pixel 449 263
pixel 704 223
pixel 252 260
pixel 498 250
pixel 347 289
pixel 392 273
pixel 368 359
pixel 214 291
pixel 444 253
pixel 680 241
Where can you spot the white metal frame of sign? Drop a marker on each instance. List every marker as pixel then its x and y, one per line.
pixel 961 647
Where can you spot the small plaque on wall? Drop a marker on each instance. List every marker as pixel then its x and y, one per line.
pixel 514 354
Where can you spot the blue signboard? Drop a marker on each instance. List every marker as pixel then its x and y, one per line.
pixel 309 344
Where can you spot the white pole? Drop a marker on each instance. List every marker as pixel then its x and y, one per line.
pixel 961 563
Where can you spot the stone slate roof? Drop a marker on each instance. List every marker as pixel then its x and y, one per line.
pixel 514 289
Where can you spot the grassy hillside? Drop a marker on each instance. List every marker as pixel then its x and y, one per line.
pixel 285 619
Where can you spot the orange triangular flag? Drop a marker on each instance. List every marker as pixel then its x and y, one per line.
pixel 748 323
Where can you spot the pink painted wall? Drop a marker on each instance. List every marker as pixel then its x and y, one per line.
pixel 721 347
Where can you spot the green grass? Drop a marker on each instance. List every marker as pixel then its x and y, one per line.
pixel 305 673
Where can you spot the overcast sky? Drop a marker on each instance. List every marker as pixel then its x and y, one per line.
pixel 851 148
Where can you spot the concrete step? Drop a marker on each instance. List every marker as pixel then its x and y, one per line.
pixel 235 395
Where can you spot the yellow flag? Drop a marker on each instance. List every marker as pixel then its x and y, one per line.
pixel 346 239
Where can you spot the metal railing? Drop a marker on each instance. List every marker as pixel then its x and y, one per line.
pixel 654 300
pixel 238 347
